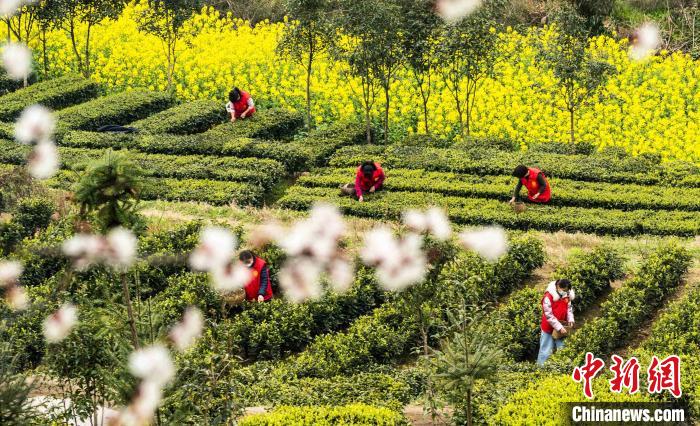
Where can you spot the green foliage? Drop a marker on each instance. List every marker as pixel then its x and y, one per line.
pixel 55 94
pixel 110 187
pixel 30 216
pixel 273 124
pixel 357 414
pixel 185 119
pixel 630 306
pixel 678 328
pixel 477 211
pixel 121 108
pixel 323 142
pixel 582 148
pixel 566 192
pixel 91 362
pixel 181 291
pixel 16 407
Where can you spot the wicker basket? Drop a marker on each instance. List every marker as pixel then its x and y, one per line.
pixel 556 335
pixel 234 298
pixel 519 207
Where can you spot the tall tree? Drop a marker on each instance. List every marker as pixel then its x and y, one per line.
pixel 468 53
pixel 309 36
pixel 419 47
pixel 165 19
pixel 372 53
pixel 580 76
pixel 88 13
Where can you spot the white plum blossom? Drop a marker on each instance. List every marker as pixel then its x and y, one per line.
pixel 399 262
pixel 9 7
pixel 216 248
pixel 43 161
pixel 17 298
pixel 187 331
pixel 142 407
pixel 152 364
pixel 230 277
pixel 58 325
pixel 10 271
pixel 264 234
pixel 317 236
pixel 36 124
pixel 120 248
pixel 452 11
pixel 299 280
pixel 341 274
pixel 17 60
pixel 490 243
pixel 433 221
pixel 83 249
pixel 645 40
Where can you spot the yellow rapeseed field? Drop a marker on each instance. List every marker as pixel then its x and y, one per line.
pixel 649 106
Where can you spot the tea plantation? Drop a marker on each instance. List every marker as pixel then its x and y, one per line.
pixel 351 356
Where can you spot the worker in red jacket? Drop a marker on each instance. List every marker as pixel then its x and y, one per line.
pixel 259 287
pixel 368 178
pixel 556 309
pixel 240 104
pixel 536 183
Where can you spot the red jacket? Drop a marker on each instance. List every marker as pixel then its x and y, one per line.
pixel 241 105
pixel 530 182
pixel 252 289
pixel 557 310
pixel 363 184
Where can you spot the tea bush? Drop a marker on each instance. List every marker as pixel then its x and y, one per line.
pixel 357 414
pixel 184 119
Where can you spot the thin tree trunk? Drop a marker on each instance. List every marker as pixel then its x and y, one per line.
pixel 571 125
pixel 44 52
pixel 75 46
pixel 469 407
pixel 308 80
pixel 129 310
pixel 87 51
pixel 386 112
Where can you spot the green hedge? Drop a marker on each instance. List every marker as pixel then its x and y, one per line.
pixel 294 157
pixel 595 168
pixel 477 211
pixel 564 192
pixel 186 119
pixel 391 331
pixel 628 307
pixel 323 142
pixel 30 216
pixel 273 123
pixel 356 414
pixel 55 94
pixel 202 190
pixel 263 172
pixel 678 328
pixel 518 320
pixel 120 108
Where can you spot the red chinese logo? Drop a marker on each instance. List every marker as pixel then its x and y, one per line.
pixel 626 375
pixel 587 372
pixel 665 375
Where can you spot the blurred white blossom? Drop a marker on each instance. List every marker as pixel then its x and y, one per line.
pixel 341 273
pixel 117 249
pixel 230 277
pixel 645 40
pixel 17 60
pixel 299 280
pixel 452 11
pixel 317 236
pixel 185 333
pixel 216 248
pixel 152 364
pixel 10 271
pixel 43 161
pixel 58 325
pixel 490 243
pixel 142 408
pixel 36 124
pixel 120 248
pixel 264 234
pixel 399 262
pixel 17 298
pixel 434 221
pixel 9 7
